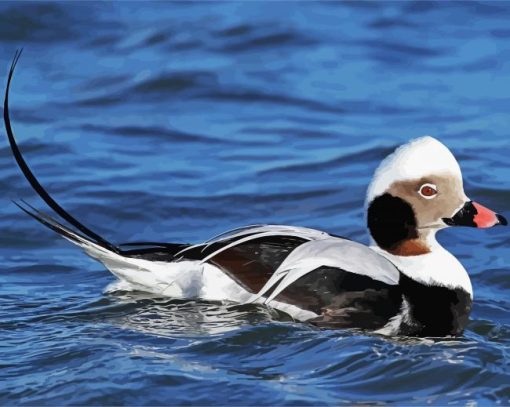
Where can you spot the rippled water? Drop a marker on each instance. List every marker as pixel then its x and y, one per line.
pixel 177 121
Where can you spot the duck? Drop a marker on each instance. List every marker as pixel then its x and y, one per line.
pixel 404 283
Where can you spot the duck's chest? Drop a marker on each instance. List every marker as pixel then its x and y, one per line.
pixel 433 310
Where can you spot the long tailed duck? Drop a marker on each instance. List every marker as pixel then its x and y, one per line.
pixel 405 283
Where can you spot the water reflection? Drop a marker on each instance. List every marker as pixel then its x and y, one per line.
pixel 170 318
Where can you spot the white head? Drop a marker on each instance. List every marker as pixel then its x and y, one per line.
pixel 419 158
pixel 416 191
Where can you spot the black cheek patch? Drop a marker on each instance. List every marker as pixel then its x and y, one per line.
pixel 390 221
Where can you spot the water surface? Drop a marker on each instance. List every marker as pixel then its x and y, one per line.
pixel 174 122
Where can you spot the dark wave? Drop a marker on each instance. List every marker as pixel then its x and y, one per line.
pixel 176 82
pixel 35 22
pixel 270 40
pixel 247 96
pixel 166 134
pixel 176 121
pixel 364 156
pixel 166 84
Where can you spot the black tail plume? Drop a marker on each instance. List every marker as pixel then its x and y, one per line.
pixel 31 177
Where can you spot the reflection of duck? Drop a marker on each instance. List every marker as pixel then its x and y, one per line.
pixel 162 316
pixel 406 283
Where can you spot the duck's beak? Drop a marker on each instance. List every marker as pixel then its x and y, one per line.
pixel 475 215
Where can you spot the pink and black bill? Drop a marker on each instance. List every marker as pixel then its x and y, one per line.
pixel 475 215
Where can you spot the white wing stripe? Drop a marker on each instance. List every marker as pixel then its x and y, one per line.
pixel 275 278
pixel 301 269
pixel 305 233
pixel 311 234
pixel 230 232
pixel 247 239
pixel 290 278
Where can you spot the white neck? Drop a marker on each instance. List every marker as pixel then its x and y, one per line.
pixel 438 267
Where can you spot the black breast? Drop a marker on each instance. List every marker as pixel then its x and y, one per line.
pixel 435 311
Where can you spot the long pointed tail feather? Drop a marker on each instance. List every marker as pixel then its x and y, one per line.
pixel 134 271
pixel 51 223
pixel 29 175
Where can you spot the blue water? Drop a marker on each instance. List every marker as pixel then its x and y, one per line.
pixel 177 121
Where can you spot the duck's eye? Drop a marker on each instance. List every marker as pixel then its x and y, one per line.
pixel 428 191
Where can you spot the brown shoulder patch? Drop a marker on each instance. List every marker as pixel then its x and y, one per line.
pixel 409 247
pixel 252 264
